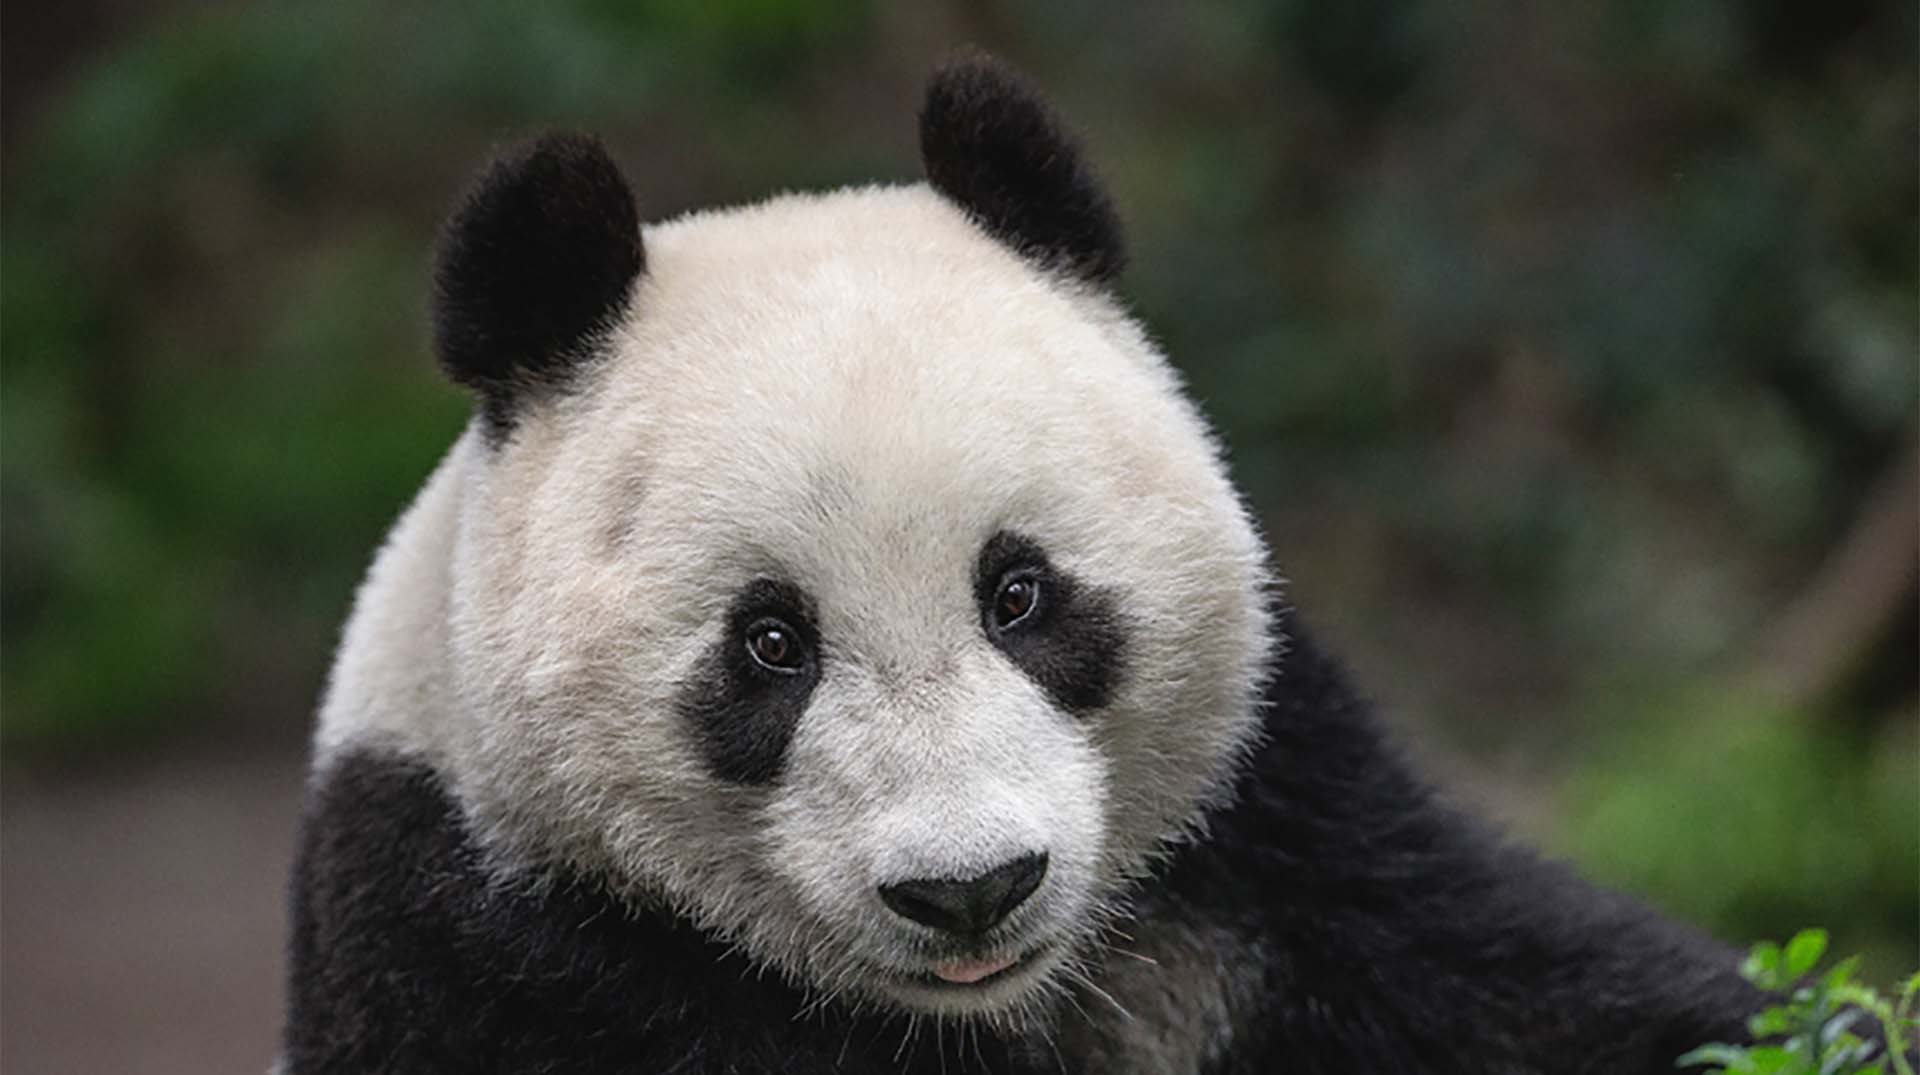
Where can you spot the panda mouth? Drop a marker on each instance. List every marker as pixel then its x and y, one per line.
pixel 962 974
pixel 974 972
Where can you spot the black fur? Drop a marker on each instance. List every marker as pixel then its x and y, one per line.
pixel 990 142
pixel 407 957
pixel 534 266
pixel 1073 644
pixel 1407 937
pixel 742 714
pixel 1394 934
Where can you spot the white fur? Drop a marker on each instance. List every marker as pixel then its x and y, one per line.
pixel 852 392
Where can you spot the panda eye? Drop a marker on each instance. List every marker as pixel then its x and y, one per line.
pixel 1016 600
pixel 774 646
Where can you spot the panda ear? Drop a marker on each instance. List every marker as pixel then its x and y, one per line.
pixel 535 266
pixel 992 144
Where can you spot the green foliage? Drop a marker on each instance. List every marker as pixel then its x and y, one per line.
pixel 212 288
pixel 1728 812
pixel 1823 1027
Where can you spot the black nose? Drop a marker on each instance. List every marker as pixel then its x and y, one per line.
pixel 972 906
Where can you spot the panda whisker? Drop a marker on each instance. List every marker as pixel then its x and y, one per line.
pixel 1075 1002
pixel 1087 983
pixel 845 1044
pixel 913 1024
pixel 1059 1061
pixel 1109 946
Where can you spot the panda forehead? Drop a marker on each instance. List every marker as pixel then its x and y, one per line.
pixel 788 236
pixel 877 291
pixel 863 385
pixel 887 535
pixel 864 345
pixel 855 468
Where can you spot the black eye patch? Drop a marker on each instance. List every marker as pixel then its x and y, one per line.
pixel 1072 641
pixel 743 709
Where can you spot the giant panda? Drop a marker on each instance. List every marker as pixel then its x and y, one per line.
pixel 835 645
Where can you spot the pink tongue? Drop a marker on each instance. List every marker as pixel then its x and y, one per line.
pixel 963 973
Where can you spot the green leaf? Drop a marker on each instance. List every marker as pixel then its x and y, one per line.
pixel 1909 993
pixel 1803 951
pixel 1860 995
pixel 1727 1056
pixel 1841 973
pixel 1761 964
pixel 1770 1022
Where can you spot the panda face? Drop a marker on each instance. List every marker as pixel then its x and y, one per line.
pixel 876 601
pixel 846 573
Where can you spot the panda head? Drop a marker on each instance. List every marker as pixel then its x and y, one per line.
pixel 847 572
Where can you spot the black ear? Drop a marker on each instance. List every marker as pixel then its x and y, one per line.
pixel 994 146
pixel 535 265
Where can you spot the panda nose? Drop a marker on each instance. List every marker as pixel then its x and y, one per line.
pixel 972 906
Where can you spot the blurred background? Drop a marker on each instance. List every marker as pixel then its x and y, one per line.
pixel 1568 352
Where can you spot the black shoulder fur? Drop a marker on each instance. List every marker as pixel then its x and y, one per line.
pixel 407 956
pixel 990 142
pixel 534 265
pixel 1393 935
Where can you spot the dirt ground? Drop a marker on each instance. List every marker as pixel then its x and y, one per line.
pixel 141 911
